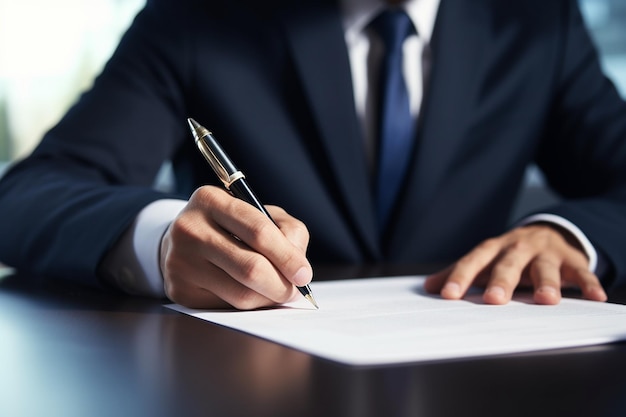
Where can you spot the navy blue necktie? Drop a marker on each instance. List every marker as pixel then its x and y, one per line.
pixel 395 124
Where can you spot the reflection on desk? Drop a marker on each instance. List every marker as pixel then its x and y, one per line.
pixel 68 351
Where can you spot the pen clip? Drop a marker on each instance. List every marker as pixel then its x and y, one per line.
pixel 217 166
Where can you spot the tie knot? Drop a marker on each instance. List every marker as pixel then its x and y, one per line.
pixel 393 26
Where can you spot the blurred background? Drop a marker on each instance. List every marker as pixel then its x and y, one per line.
pixel 43 71
pixel 50 52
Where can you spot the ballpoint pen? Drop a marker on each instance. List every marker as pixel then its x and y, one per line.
pixel 232 179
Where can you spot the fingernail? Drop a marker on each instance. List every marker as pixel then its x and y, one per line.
pixel 302 277
pixel 497 292
pixel 550 291
pixel 451 290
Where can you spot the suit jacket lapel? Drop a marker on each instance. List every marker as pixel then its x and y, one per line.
pixel 315 35
pixel 456 47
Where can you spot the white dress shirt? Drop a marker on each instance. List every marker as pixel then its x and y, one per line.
pixel 133 264
pixel 365 51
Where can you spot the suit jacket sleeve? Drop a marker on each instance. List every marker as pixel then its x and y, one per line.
pixel 583 153
pixel 64 206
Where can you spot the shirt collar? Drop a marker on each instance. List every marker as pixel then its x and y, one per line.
pixel 356 14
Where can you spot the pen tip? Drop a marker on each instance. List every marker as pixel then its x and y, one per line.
pixel 312 300
pixel 193 125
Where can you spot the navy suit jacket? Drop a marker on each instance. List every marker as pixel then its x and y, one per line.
pixel 511 83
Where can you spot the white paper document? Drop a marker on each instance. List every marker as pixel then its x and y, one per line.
pixel 378 321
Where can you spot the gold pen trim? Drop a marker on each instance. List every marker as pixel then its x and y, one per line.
pixel 226 178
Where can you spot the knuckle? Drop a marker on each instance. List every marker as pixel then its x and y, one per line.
pixel 505 266
pixel 206 194
pixel 290 257
pixel 252 269
pixel 301 229
pixel 209 200
pixel 519 246
pixel 260 231
pixel 542 262
pixel 544 236
pixel 182 228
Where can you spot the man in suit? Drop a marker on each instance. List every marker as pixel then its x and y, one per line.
pixel 287 87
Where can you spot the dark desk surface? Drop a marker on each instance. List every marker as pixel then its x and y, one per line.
pixel 73 352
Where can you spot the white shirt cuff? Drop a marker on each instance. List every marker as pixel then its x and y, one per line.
pixel 588 248
pixel 149 228
pixel 133 264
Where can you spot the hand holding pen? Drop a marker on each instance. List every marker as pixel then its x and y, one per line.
pixel 205 266
pixel 232 178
